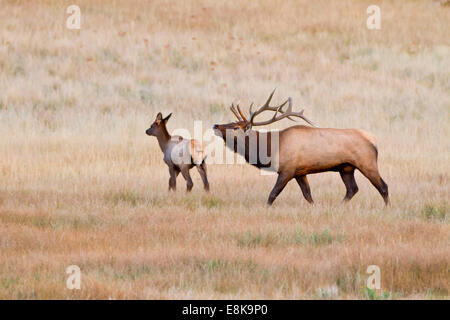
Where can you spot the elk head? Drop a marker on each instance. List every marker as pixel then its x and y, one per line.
pixel 158 126
pixel 245 125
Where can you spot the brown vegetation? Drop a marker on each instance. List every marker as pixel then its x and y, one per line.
pixel 81 183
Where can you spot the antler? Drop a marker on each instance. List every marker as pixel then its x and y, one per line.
pixel 240 116
pixel 279 109
pixel 235 112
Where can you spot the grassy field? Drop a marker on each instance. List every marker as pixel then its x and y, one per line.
pixel 81 183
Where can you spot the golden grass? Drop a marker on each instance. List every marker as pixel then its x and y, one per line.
pixel 81 184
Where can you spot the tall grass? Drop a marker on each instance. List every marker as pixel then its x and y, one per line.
pixel 81 184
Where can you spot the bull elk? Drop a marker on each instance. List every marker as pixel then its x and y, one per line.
pixel 304 150
pixel 180 154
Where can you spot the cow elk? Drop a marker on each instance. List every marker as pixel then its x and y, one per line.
pixel 180 154
pixel 304 150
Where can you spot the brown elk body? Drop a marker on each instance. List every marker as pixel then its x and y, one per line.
pixel 180 154
pixel 304 150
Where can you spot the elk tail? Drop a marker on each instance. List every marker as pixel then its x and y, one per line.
pixel 372 139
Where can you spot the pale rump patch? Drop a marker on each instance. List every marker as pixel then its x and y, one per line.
pixel 368 136
pixel 196 152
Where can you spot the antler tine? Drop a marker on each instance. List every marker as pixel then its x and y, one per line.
pixel 242 114
pixel 289 109
pixel 234 111
pixel 307 120
pixel 264 107
pixel 282 116
pixel 278 110
pixel 250 110
pixel 269 99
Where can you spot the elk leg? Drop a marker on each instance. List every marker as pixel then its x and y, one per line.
pixel 202 171
pixel 187 177
pixel 348 176
pixel 173 178
pixel 304 185
pixel 282 181
pixel 374 177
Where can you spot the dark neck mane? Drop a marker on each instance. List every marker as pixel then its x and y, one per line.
pixel 163 138
pixel 257 142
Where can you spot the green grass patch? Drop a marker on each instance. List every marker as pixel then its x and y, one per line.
pixel 211 202
pixel 372 294
pixel 215 108
pixel 129 197
pixel 192 202
pixel 315 238
pixel 133 273
pixel 54 221
pixel 436 212
pixel 228 267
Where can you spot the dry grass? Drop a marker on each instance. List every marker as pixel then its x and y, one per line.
pixel 81 184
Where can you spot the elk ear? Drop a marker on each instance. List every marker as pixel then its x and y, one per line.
pixel 159 116
pixel 167 118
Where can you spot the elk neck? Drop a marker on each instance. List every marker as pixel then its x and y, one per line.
pixel 252 139
pixel 163 137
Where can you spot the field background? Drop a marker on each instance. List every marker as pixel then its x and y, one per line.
pixel 81 184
